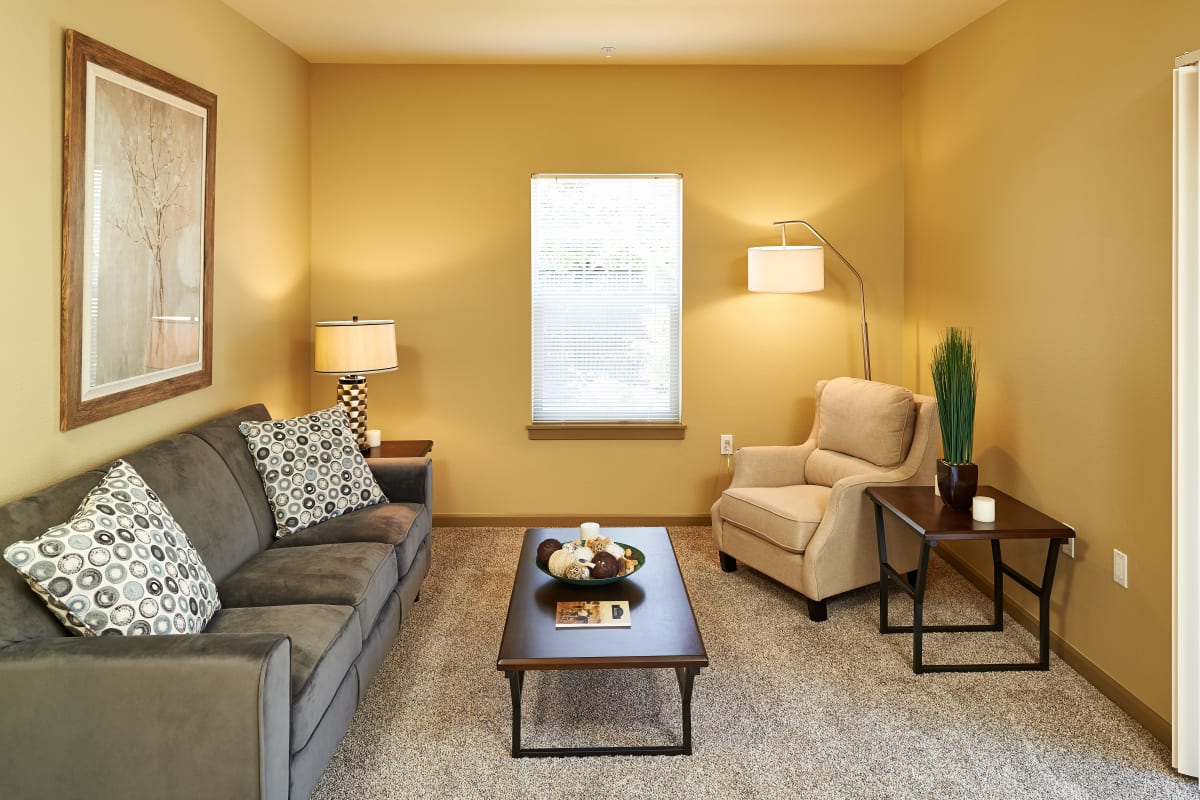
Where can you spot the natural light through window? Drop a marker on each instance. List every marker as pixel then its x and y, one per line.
pixel 606 278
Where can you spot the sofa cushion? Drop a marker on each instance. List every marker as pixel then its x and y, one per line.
pixel 325 643
pixel 223 436
pixel 786 516
pixel 205 499
pixel 402 525
pixel 23 614
pixel 866 419
pixel 358 574
pixel 311 468
pixel 120 565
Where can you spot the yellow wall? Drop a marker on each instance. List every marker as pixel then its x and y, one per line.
pixel 1038 213
pixel 262 222
pixel 421 213
pixel 1031 202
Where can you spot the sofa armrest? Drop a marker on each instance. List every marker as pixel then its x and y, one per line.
pixel 771 465
pixel 405 480
pixel 198 716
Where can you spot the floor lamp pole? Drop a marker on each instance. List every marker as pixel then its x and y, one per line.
pixel 862 295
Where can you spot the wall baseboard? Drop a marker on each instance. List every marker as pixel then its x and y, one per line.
pixel 1147 717
pixel 567 520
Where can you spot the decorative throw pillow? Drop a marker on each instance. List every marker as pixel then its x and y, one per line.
pixel 311 468
pixel 120 565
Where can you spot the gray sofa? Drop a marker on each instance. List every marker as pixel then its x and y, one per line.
pixel 255 705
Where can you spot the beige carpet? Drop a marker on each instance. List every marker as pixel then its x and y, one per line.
pixel 788 708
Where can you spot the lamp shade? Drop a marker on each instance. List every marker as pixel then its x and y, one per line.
pixel 355 346
pixel 786 268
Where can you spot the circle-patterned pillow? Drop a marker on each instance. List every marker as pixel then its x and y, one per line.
pixel 311 468
pixel 120 565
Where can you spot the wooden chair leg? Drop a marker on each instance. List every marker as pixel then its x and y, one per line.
pixel 817 610
pixel 728 562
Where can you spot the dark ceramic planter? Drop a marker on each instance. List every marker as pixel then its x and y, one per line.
pixel 957 484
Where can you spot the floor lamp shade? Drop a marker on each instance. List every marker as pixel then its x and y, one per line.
pixel 352 349
pixel 786 268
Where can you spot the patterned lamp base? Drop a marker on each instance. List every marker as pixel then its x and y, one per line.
pixel 352 393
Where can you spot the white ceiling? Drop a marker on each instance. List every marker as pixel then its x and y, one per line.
pixel 641 31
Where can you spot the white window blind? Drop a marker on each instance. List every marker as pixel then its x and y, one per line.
pixel 607 292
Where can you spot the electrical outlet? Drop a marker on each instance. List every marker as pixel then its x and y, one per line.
pixel 726 444
pixel 1068 549
pixel 1121 568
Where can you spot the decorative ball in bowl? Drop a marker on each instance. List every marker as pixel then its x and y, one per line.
pixel 598 561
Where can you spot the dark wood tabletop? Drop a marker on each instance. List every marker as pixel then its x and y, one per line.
pixel 662 632
pixel 400 448
pixel 928 515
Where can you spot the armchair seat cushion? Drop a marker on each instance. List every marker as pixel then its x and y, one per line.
pixel 786 516
pixel 326 640
pixel 358 574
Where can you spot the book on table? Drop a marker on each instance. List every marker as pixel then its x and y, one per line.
pixel 592 614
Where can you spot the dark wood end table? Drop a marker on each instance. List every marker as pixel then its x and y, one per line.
pixel 663 631
pixel 927 516
pixel 400 448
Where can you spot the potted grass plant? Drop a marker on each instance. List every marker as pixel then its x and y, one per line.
pixel 955 376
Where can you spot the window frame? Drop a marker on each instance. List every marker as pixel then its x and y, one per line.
pixel 607 428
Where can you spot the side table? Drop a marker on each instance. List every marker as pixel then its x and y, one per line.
pixel 400 448
pixel 927 516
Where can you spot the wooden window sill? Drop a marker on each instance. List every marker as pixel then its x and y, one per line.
pixel 606 430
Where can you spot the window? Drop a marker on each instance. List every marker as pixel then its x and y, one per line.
pixel 607 292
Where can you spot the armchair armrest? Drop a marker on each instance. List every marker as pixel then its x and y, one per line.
pixel 405 480
pixel 843 553
pixel 771 465
pixel 198 716
pixel 917 468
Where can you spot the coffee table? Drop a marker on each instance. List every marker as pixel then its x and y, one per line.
pixel 663 631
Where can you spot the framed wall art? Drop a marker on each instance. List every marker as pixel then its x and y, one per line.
pixel 137 272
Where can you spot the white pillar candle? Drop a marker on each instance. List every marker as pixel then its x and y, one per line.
pixel 589 529
pixel 983 509
pixel 374 437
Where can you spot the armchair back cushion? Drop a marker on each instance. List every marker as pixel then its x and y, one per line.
pixel 867 420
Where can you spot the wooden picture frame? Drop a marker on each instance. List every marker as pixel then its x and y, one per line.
pixel 137 270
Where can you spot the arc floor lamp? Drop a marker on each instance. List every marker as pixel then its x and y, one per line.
pixel 788 269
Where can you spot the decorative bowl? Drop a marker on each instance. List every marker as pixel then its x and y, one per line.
pixel 638 554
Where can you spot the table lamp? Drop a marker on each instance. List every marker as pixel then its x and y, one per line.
pixel 351 349
pixel 800 268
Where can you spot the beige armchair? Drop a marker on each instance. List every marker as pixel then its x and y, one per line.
pixel 800 514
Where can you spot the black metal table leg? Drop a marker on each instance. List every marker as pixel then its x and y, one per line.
pixel 516 680
pixel 1043 593
pixel 919 607
pixel 1044 602
pixel 884 579
pixel 997 586
pixel 685 676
